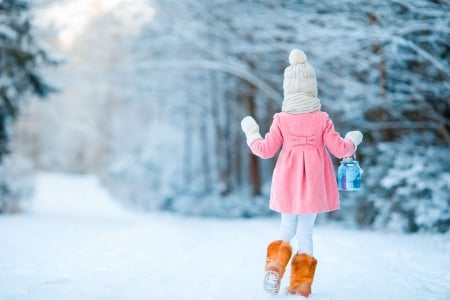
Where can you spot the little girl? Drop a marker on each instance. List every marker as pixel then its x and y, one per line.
pixel 304 182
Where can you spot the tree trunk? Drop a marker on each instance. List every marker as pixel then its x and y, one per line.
pixel 387 135
pixel 254 168
pixel 187 149
pixel 204 140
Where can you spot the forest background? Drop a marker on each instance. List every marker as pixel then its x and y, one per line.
pixel 148 95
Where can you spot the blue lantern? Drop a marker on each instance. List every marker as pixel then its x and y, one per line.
pixel 349 175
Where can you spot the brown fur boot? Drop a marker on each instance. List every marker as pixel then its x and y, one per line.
pixel 303 268
pixel 278 255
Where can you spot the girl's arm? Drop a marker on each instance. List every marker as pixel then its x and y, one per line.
pixel 337 145
pixel 267 147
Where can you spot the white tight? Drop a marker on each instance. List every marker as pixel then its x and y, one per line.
pixel 300 226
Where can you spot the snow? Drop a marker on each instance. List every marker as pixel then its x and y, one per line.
pixel 76 242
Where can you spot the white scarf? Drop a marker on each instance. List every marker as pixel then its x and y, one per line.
pixel 300 103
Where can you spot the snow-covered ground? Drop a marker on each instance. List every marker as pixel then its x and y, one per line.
pixel 77 243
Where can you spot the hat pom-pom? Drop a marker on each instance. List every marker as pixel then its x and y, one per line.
pixel 297 57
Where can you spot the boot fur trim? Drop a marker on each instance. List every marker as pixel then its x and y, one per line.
pixel 303 268
pixel 278 255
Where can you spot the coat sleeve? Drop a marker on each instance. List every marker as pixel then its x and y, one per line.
pixel 267 147
pixel 338 146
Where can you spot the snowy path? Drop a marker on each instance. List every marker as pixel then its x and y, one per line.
pixel 77 244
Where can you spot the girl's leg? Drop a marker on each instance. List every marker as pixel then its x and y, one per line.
pixel 303 264
pixel 288 227
pixel 279 253
pixel 305 226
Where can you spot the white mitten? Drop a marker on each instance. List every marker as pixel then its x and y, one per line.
pixel 355 137
pixel 251 129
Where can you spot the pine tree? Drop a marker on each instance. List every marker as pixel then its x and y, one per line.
pixel 20 60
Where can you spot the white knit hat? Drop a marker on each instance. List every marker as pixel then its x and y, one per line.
pixel 300 85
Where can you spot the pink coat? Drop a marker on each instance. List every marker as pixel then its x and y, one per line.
pixel 303 180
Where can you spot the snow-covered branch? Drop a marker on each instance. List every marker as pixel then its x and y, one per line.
pixel 231 68
pixel 441 66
